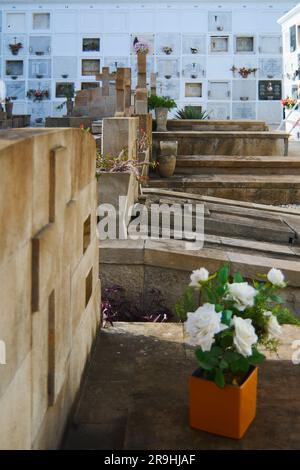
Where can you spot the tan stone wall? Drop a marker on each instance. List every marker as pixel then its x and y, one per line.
pixel 49 285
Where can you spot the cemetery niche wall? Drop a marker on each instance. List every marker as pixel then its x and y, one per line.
pixel 186 42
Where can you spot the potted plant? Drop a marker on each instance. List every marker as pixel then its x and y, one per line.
pixel 15 47
pixel 68 93
pixel 191 112
pixel 167 50
pixel 234 318
pixel 9 107
pixel 243 71
pixel 117 176
pixel 161 106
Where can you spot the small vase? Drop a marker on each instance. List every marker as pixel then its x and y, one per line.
pixel 166 165
pixel 161 115
pixel 9 109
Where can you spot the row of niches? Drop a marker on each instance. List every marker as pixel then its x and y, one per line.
pixel 166 68
pixel 267 111
pixel 238 90
pixel 161 44
pixel 217 21
pixel 193 44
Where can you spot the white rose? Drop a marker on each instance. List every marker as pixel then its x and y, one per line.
pixel 276 277
pixel 243 295
pixel 274 329
pixel 202 325
pixel 244 336
pixel 198 276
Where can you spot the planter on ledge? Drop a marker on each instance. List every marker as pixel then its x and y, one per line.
pixel 227 411
pixel 167 158
pixel 161 116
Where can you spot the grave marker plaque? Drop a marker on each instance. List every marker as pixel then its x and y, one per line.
pixel 269 90
pixel 193 90
pixel 270 68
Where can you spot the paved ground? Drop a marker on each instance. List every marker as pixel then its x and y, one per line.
pixel 135 395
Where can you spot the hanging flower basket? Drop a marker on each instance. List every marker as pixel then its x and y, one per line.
pixel 243 71
pixel 167 50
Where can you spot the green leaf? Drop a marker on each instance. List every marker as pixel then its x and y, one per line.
pixel 243 364
pixel 231 356
pixel 223 364
pixel 203 360
pixel 256 358
pixel 277 298
pixel 226 341
pixel 219 378
pixel 238 277
pixel 226 317
pixel 186 304
pixel 220 290
pixel 219 308
pixel 216 351
pixel 223 274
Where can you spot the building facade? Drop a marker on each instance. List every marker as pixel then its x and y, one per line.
pixel 223 57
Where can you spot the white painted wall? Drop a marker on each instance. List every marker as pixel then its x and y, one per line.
pixel 181 24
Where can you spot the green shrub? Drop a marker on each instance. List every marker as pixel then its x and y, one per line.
pixel 155 101
pixel 190 112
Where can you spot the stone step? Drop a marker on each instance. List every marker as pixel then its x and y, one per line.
pixel 262 189
pixel 223 164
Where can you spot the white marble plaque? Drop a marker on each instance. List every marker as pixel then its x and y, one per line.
pixel 219 44
pixel 65 67
pixel 243 110
pixel 270 68
pixel 219 21
pixel 193 44
pixel 16 22
pixel 39 68
pixel 168 68
pixel 244 44
pixel 193 67
pixel 244 90
pixel 193 90
pixel 169 88
pixel 218 90
pixel 41 21
pixel 114 62
pixel 218 111
pixel 39 45
pixel 15 90
pixel 270 44
pixel 168 44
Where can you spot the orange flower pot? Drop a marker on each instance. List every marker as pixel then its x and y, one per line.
pixel 227 411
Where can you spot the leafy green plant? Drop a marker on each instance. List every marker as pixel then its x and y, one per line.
pixel 191 112
pixel 69 93
pixel 155 101
pixel 234 319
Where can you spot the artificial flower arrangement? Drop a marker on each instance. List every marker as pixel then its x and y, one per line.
pixel 38 95
pixel 243 71
pixel 234 318
pixel 288 102
pixel 15 47
pixel 141 47
pixel 167 50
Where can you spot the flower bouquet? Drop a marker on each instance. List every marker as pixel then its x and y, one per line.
pixel 141 47
pixel 15 47
pixel 38 95
pixel 288 102
pixel 234 318
pixel 243 71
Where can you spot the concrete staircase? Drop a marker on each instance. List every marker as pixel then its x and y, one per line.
pixel 235 165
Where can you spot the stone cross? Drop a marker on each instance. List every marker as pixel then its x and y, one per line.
pixel 123 92
pixel 106 77
pixel 153 83
pixel 141 94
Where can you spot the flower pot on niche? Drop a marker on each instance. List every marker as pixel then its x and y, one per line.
pixel 161 116
pixel 227 411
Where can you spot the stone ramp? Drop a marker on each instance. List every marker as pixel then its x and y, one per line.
pixel 135 396
pixel 233 165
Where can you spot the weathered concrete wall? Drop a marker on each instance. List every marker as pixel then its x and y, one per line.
pixel 141 265
pixel 49 285
pixel 212 125
pixel 119 133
